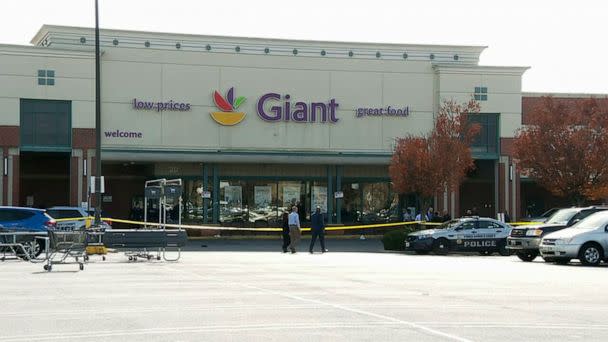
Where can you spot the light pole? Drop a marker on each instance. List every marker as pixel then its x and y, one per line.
pixel 97 122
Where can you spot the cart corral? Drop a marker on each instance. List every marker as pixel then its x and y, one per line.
pixel 152 240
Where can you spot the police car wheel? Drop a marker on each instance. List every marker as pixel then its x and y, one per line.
pixel 527 256
pixel 503 250
pixel 441 246
pixel 591 254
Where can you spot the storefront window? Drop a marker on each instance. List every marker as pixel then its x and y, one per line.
pixel 486 140
pixel 292 193
pixel 193 201
pixel 318 196
pixel 261 201
pixel 351 202
pixel 369 203
pixel 231 202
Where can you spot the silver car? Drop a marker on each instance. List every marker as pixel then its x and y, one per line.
pixel 587 241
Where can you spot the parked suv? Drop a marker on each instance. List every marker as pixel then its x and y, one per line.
pixel 587 241
pixel 524 240
pixel 542 218
pixel 27 220
pixel 469 234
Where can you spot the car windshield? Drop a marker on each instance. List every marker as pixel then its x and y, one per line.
pixel 549 212
pixel 596 220
pixel 562 216
pixel 63 213
pixel 449 224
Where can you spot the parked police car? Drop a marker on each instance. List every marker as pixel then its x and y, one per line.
pixel 76 213
pixel 467 234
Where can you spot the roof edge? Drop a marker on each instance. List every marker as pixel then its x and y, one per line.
pixel 46 29
pixel 488 68
pixel 39 50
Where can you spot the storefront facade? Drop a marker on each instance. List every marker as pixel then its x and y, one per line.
pixel 259 125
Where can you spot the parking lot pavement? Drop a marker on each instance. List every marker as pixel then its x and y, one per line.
pixel 248 291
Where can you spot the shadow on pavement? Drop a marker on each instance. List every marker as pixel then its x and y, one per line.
pixel 272 245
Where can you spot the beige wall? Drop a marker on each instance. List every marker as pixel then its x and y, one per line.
pixel 504 92
pixel 191 77
pixel 19 79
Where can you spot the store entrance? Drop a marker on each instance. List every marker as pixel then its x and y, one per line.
pixel 477 192
pixel 535 200
pixel 124 190
pixel 44 179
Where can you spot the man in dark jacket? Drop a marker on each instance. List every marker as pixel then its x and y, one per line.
pixel 286 239
pixel 317 229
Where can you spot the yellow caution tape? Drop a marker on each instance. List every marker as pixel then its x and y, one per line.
pixel 524 223
pixel 269 229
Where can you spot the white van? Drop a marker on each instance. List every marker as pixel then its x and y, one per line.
pixel 587 241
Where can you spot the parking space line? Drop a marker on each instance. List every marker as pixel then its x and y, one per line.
pixel 413 325
pixel 366 313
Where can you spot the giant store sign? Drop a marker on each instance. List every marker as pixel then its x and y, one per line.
pixel 272 107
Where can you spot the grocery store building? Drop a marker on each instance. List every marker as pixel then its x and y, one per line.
pixel 255 124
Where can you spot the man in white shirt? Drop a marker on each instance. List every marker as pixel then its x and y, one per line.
pixel 294 229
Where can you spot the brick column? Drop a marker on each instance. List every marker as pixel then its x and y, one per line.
pixel 76 172
pixel 92 167
pixel 9 142
pixel 501 206
pixel 517 194
pixel 512 186
pixel 13 177
pixel 3 178
pixel 83 148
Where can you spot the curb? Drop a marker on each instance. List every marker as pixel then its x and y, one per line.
pixel 278 237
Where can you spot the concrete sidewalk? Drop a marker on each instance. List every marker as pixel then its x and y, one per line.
pixel 274 245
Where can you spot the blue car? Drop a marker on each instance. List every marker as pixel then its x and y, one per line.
pixel 19 219
pixel 26 219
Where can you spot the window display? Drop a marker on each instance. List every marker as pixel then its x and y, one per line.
pixel 261 203
pixel 231 202
pixel 291 195
pixel 369 203
pixel 319 198
pixel 263 198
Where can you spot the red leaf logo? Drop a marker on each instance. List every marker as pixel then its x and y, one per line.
pixel 221 103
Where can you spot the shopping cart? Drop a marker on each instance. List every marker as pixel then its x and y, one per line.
pixel 22 244
pixel 67 245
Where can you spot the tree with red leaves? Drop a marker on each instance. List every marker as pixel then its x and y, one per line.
pixel 450 140
pixel 565 149
pixel 439 161
pixel 411 167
